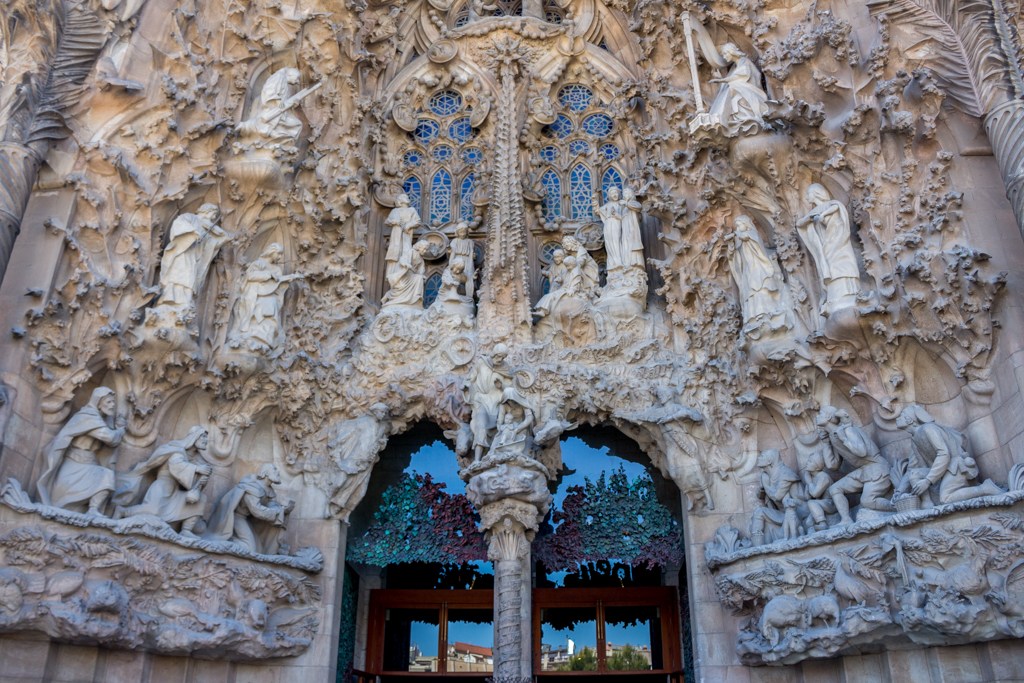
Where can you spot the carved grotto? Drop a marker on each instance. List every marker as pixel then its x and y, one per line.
pixel 764 256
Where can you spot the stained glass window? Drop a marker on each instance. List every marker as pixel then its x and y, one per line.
pixel 598 125
pixel 411 186
pixel 552 206
pixel 460 131
pixel 561 128
pixel 441 198
pixel 552 17
pixel 472 155
pixel 442 153
pixel 581 193
pixel 545 286
pixel 549 154
pixel 578 147
pixel 445 103
pixel 611 178
pixel 609 151
pixel 548 249
pixel 466 197
pixel 575 97
pixel 412 159
pixel 426 131
pixel 430 289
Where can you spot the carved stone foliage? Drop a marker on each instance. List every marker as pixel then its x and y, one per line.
pixel 951 576
pixel 97 588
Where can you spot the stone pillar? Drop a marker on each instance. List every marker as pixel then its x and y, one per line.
pixel 511 525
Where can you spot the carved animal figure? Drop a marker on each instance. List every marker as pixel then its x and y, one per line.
pixel 823 607
pixel 782 611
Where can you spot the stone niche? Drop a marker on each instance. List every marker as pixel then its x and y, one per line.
pixel 947 575
pixel 75 580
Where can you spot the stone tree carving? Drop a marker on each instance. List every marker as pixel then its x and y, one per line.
pixel 47 55
pixel 72 474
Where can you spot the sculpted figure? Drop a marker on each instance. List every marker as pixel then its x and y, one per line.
pixel 73 475
pixel 611 215
pixel 355 448
pixel 584 276
pixel 487 383
pixel 757 277
pixel 782 497
pixel 941 458
pixel 273 120
pixel 557 274
pixel 258 309
pixel 632 246
pixel 741 104
pixel 685 465
pixel 403 220
pixel 870 475
pixel 461 251
pixel 248 514
pixel 407 280
pixel 817 480
pixel 194 241
pixel 825 231
pixel 176 495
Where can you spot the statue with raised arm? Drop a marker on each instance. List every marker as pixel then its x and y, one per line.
pixel 257 314
pixel 941 459
pixel 354 449
pixel 194 241
pixel 249 515
pixel 176 493
pixel 825 232
pixel 402 221
pixel 73 477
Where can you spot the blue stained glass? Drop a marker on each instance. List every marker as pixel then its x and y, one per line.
pixel 460 130
pixel 442 153
pixel 445 103
pixel 597 125
pixel 426 130
pixel 472 155
pixel 462 19
pixel 561 128
pixel 609 151
pixel 611 178
pixel 431 288
pixel 466 197
pixel 412 187
pixel 549 154
pixel 581 193
pixel 412 158
pixel 575 97
pixel 548 249
pixel 578 147
pixel 552 206
pixel 545 286
pixel 441 198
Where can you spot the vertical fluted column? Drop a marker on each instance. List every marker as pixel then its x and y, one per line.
pixel 509 550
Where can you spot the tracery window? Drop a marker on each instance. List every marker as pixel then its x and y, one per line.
pixel 578 159
pixel 440 159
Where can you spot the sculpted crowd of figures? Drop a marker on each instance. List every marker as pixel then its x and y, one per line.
pixel 167 490
pixel 842 465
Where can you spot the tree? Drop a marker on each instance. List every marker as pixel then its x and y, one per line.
pixel 584 660
pixel 628 658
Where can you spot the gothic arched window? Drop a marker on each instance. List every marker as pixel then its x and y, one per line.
pixel 575 156
pixel 440 157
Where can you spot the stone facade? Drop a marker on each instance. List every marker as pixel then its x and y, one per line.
pixel 778 245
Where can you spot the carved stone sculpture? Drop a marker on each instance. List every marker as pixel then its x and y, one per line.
pixel 782 497
pixel 622 241
pixel 273 122
pixel 449 296
pixel 257 314
pixel 941 458
pixel 194 241
pixel 460 250
pixel 825 231
pixel 249 514
pixel 741 104
pixel 870 475
pixel 406 280
pixel 354 449
pixel 176 494
pixel 402 221
pixel 758 279
pixel 72 475
pixel 487 383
